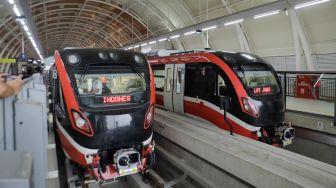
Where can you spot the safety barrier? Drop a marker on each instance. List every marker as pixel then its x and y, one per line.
pixel 313 93
pixel 23 126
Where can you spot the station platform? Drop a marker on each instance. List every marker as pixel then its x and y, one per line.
pixel 310 106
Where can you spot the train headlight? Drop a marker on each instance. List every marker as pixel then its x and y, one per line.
pixel 149 117
pixel 138 59
pixel 73 59
pixel 250 106
pixel 114 56
pixel 82 124
pixel 103 55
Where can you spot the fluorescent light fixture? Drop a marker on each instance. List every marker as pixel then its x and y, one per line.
pixel 28 33
pixel 163 39
pixel 130 48
pixel 152 42
pixel 144 44
pixel 189 33
pixel 209 28
pixel 22 22
pixel 310 3
pixel 136 46
pixel 266 14
pixel 25 28
pixel 16 11
pixel 11 2
pixel 174 37
pixel 233 22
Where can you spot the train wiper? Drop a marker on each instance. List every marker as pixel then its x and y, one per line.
pixel 134 69
pixel 83 73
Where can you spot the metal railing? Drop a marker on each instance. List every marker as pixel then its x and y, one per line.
pixel 326 88
pixel 320 92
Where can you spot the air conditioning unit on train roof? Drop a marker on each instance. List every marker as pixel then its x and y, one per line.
pixel 162 53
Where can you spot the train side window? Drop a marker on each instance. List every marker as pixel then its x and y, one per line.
pixel 221 86
pixel 168 78
pixel 178 80
pixel 61 99
pixel 159 80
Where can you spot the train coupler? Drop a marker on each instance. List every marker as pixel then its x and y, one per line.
pixel 285 134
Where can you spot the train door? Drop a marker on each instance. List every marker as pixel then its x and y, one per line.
pixel 174 87
pixel 168 89
pixel 178 92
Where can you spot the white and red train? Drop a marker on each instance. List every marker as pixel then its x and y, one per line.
pixel 103 106
pixel 193 83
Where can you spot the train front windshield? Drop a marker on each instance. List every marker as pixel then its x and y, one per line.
pixel 97 90
pixel 258 80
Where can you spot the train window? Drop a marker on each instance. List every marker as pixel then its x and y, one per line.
pixel 258 80
pixel 61 100
pixel 168 79
pixel 178 80
pixel 110 88
pixel 159 79
pixel 221 86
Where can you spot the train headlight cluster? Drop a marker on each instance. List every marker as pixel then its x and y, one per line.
pixel 138 59
pixel 114 56
pixel 102 56
pixel 73 59
pixel 250 106
pixel 81 123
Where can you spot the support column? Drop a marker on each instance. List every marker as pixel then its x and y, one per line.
pixel 301 43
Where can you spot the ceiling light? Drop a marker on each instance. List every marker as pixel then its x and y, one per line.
pixel 266 14
pixel 189 33
pixel 28 33
pixel 144 44
pixel 25 28
pixel 163 39
pixel 152 42
pixel 209 28
pixel 22 22
pixel 11 2
pixel 16 11
pixel 233 22
pixel 174 37
pixel 310 3
pixel 136 46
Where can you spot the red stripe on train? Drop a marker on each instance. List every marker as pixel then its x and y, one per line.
pixel 203 111
pixel 73 153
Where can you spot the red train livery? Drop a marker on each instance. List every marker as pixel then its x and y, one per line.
pixel 194 83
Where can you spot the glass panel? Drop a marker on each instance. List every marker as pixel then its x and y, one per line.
pixel 178 81
pixel 259 80
pixel 311 93
pixel 110 88
pixel 169 76
pixel 159 79
pixel 222 89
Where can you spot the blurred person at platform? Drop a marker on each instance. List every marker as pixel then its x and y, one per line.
pixel 10 87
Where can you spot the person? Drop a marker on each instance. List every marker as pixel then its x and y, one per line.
pixel 10 87
pixel 97 86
